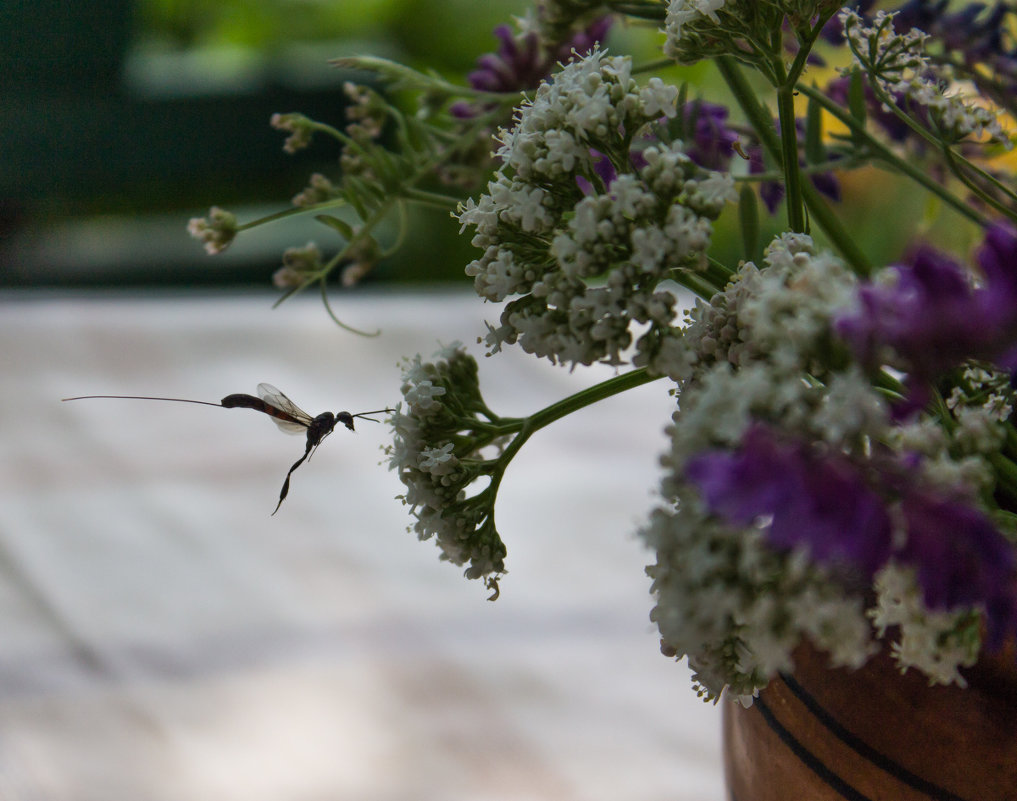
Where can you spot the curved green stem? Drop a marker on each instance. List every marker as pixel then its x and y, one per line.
pixel 336 320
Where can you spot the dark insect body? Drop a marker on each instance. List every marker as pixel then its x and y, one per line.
pixel 284 412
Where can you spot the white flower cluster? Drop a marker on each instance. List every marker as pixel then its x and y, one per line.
pixel 734 605
pixel 318 190
pixel 698 29
pixel 216 231
pixel 715 584
pixel 937 643
pixel 577 236
pixel 959 455
pixel 737 608
pixel 900 65
pixel 681 14
pixel 742 355
pixel 299 265
pixel 761 353
pixel 436 451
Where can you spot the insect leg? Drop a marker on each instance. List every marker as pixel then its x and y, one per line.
pixel 286 484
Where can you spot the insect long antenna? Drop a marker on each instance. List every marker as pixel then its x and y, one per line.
pixel 142 397
pixel 376 411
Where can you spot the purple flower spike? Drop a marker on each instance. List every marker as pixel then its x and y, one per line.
pixel 822 504
pixel 521 63
pixel 932 318
pixel 516 65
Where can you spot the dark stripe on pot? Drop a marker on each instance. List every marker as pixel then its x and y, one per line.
pixel 811 761
pixel 862 748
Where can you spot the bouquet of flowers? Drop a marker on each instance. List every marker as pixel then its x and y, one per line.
pixel 841 466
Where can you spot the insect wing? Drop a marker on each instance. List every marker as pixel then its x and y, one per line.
pixel 274 398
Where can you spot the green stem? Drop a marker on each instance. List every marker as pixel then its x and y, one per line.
pixel 951 157
pixel 884 154
pixel 789 158
pixel 838 235
pixel 336 320
pixel 409 78
pixel 435 199
pixel 649 11
pixel 759 119
pixel 818 168
pixel 654 66
pixel 758 116
pixel 566 406
pixel 291 212
pixel 955 162
pixel 718 273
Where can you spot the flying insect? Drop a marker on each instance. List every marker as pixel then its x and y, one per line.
pixel 284 413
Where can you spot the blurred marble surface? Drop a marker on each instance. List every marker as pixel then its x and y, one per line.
pixel 165 639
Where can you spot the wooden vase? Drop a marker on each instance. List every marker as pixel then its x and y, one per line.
pixel 824 734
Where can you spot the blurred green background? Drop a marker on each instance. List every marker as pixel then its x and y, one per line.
pixel 123 118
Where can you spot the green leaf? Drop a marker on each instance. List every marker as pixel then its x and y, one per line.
pixel 748 218
pixel 814 150
pixel 344 228
pixel 352 192
pixel 856 103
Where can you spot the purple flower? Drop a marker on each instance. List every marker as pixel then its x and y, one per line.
pixel 711 142
pixel 961 560
pixel 521 63
pixel 933 318
pixel 822 504
pixel 922 14
pixel 517 64
pixel 583 41
pixel 602 168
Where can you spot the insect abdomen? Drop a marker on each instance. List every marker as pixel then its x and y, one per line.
pixel 244 401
